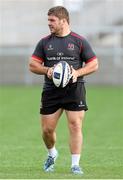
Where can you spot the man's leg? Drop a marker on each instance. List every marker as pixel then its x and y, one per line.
pixel 48 123
pixel 75 119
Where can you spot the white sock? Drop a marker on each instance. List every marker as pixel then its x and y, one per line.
pixel 75 159
pixel 52 152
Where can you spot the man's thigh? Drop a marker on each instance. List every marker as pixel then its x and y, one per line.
pixel 50 120
pixel 75 116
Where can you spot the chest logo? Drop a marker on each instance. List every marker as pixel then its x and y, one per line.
pixel 60 53
pixel 50 47
pixel 70 46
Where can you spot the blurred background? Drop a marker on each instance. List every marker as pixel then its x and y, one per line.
pixel 24 22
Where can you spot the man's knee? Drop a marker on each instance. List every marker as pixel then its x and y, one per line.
pixel 48 131
pixel 75 126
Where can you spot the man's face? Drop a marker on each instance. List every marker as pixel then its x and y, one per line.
pixel 55 24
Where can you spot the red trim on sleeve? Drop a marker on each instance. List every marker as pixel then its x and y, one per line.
pixel 37 58
pixel 91 59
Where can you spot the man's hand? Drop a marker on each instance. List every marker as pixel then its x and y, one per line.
pixel 74 75
pixel 50 72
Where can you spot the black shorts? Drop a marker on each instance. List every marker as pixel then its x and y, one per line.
pixel 72 98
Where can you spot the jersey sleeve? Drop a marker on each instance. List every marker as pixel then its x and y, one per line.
pixel 38 53
pixel 87 54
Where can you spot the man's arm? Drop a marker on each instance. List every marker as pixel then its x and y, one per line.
pixel 87 69
pixel 37 67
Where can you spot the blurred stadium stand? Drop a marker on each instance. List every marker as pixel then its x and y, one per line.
pixel 24 22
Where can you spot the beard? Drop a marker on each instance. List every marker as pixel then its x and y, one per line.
pixel 56 30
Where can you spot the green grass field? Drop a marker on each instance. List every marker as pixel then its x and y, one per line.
pixel 22 151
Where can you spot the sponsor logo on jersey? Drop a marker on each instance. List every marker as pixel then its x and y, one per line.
pixel 60 53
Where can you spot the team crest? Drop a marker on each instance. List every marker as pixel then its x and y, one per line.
pixel 70 46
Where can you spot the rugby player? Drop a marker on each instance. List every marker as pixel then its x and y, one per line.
pixel 63 44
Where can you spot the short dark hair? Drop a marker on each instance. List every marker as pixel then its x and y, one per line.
pixel 60 12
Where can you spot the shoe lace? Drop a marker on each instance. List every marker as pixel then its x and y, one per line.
pixel 50 161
